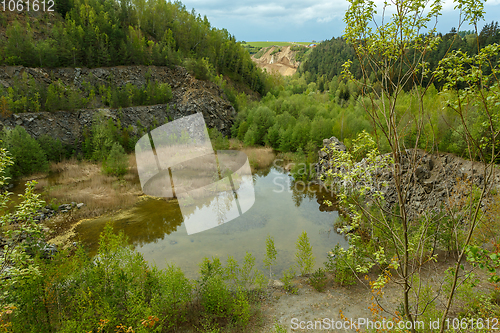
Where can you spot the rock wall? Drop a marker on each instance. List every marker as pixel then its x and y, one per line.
pixel 432 182
pixel 189 96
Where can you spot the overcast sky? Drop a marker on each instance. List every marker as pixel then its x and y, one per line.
pixel 299 20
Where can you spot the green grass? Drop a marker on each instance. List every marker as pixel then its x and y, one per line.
pixel 267 44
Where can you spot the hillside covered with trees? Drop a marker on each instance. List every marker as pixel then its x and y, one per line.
pixel 325 61
pixel 113 33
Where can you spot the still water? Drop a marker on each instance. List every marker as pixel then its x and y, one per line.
pixel 281 209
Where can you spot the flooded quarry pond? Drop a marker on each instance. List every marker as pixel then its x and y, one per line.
pixel 282 209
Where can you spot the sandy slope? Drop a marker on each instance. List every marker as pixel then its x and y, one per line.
pixel 282 62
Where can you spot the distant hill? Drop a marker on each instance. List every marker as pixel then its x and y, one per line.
pixel 325 61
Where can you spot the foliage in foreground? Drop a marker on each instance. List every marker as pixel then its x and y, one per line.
pixel 117 288
pixel 21 233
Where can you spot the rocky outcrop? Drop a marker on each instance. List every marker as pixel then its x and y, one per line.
pixel 433 181
pixel 189 96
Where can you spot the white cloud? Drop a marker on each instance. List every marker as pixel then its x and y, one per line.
pixel 289 20
pixel 290 11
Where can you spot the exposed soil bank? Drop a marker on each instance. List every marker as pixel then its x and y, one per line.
pixel 282 61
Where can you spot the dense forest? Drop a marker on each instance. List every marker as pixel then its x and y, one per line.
pixel 111 33
pixel 326 60
pixel 318 102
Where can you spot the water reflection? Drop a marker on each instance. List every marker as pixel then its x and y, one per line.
pixel 177 160
pixel 156 230
pixel 301 191
pixel 223 180
pixel 147 222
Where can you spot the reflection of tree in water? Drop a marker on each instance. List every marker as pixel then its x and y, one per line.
pixel 145 223
pixel 222 204
pixel 261 172
pixel 323 194
pixel 221 197
pixel 151 220
pixel 301 190
pixel 246 222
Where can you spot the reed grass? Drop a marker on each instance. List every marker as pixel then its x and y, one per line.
pixel 260 157
pixel 83 181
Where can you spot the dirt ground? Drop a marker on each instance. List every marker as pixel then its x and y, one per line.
pixel 341 303
pixel 310 305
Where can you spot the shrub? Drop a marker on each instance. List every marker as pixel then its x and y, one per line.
pixel 270 258
pixel 24 95
pixel 219 142
pixel 249 139
pixel 288 275
pixel 55 97
pixel 304 255
pixel 130 95
pixel 215 296
pixel 199 68
pixel 250 276
pixel 104 135
pixel 173 296
pixel 26 152
pixel 15 263
pixel 242 130
pixel 116 290
pixel 241 308
pixel 53 148
pixel 224 291
pixel 87 148
pixel 117 161
pixel 232 97
pixel 318 279
pixel 341 263
pixel 245 277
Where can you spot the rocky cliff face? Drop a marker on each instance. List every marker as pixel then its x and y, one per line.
pixel 189 96
pixel 435 180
